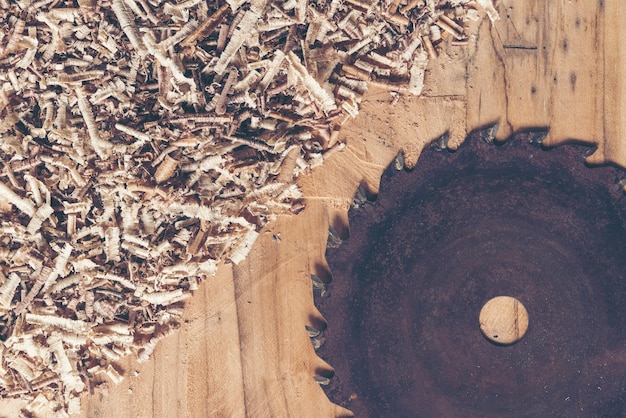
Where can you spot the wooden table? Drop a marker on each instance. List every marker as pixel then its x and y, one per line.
pixel 244 350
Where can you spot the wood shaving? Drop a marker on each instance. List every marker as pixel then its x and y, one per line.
pixel 144 142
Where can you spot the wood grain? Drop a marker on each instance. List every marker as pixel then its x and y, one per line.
pixel 244 351
pixel 503 320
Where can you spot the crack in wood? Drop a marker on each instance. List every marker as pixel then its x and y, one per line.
pixel 530 48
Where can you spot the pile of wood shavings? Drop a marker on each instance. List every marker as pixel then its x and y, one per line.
pixel 144 142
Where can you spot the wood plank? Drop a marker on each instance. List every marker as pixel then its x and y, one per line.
pixel 614 89
pixel 243 350
pixel 553 65
pixel 196 372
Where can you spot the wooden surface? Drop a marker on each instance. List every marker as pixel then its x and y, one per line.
pixel 244 350
pixel 503 320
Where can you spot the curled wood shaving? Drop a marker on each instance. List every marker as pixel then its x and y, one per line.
pixel 144 142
